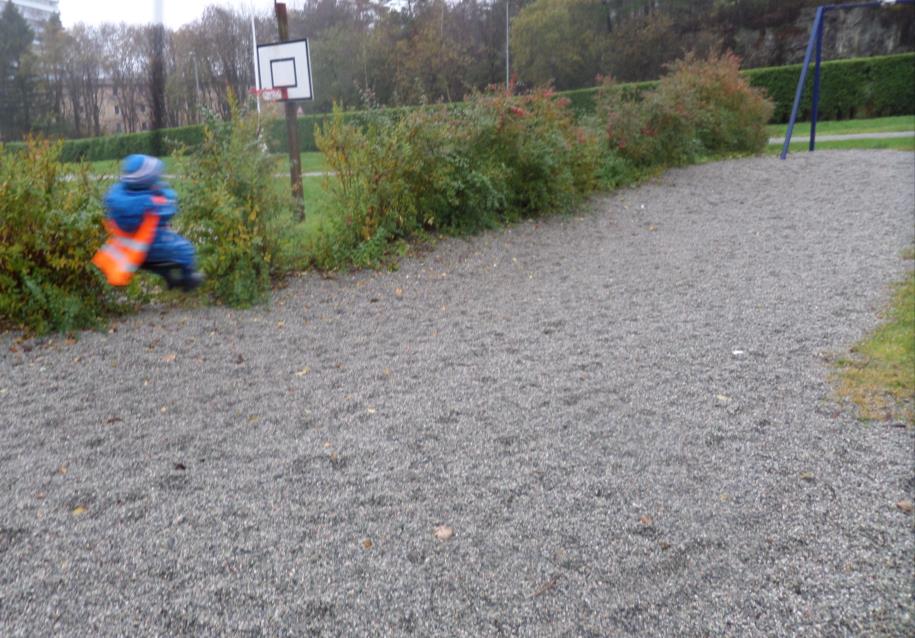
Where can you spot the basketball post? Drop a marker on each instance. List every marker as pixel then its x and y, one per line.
pixel 292 125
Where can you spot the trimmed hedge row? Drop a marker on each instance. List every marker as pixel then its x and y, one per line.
pixel 859 87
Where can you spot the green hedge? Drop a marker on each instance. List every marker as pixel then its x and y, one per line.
pixel 583 100
pixel 859 87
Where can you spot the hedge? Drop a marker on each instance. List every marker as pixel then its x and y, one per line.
pixel 858 87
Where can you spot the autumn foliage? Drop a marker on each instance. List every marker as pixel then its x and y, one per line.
pixel 495 158
pixel 702 106
pixel 50 226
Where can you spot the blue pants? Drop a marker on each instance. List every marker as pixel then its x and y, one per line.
pixel 169 246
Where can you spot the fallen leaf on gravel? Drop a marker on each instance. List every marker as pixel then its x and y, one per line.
pixel 645 519
pixel 807 476
pixel 40 495
pixel 904 506
pixel 652 227
pixel 386 372
pixel 170 357
pixel 70 341
pixel 62 470
pixel 302 372
pixel 443 532
pixel 367 543
pixel 79 510
pixel 547 585
pixel 280 324
pixel 398 292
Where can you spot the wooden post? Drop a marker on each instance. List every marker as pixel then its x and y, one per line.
pixel 292 126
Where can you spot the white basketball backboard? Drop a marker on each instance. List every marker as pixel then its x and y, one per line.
pixel 285 65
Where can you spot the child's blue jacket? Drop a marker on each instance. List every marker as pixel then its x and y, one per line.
pixel 126 206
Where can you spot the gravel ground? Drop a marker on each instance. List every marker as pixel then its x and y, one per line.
pixel 624 417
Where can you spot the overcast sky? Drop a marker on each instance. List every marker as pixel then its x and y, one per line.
pixel 176 12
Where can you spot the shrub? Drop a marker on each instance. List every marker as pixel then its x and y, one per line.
pixel 548 160
pixel 727 114
pixel 646 130
pixel 494 159
pixel 701 106
pixel 49 229
pixel 232 209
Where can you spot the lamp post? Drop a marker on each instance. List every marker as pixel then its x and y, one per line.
pixel 158 79
pixel 507 75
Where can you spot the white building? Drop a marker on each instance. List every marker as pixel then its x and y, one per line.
pixel 36 12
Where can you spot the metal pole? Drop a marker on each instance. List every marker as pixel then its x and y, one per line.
pixel 816 39
pixel 196 84
pixel 157 81
pixel 815 102
pixel 507 31
pixel 257 71
pixel 292 126
pixel 800 84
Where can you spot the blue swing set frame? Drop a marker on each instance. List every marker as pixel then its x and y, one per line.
pixel 816 42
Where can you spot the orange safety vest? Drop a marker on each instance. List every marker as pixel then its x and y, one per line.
pixel 124 252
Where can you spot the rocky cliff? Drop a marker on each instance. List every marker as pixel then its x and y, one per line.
pixel 848 33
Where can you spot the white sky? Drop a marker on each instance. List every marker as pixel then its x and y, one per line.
pixel 175 12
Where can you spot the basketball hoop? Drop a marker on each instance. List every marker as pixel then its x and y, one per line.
pixel 271 95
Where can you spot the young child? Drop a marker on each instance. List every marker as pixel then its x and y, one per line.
pixel 138 209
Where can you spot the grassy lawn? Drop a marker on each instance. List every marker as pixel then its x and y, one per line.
pixel 879 375
pixel 848 127
pixel 897 144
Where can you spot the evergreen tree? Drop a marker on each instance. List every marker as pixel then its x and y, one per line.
pixel 15 84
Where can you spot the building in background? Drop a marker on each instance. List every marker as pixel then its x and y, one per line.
pixel 37 12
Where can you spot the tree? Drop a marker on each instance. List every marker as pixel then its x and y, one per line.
pixel 125 65
pixel 559 41
pixel 51 69
pixel 84 73
pixel 16 81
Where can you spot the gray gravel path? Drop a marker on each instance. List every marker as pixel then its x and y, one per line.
pixel 624 417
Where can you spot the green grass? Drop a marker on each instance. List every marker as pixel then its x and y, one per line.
pixel 848 127
pixel 897 144
pixel 879 374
